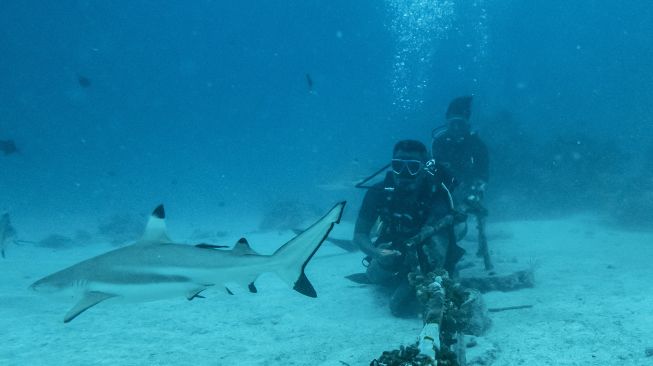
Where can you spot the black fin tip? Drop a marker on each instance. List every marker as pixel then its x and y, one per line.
pixel 304 286
pixel 159 212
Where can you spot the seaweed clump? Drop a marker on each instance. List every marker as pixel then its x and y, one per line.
pixel 446 303
pixel 442 301
pixel 404 356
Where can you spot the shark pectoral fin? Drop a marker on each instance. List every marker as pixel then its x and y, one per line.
pixel 89 300
pixel 195 293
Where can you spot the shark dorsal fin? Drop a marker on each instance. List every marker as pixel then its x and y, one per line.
pixel 155 230
pixel 242 248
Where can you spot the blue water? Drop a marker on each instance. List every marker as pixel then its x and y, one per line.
pixel 223 110
pixel 206 104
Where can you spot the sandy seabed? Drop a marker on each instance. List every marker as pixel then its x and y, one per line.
pixel 592 305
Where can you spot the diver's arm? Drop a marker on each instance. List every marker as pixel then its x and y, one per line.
pixel 446 177
pixel 365 244
pixel 365 221
pixel 441 212
pixel 382 252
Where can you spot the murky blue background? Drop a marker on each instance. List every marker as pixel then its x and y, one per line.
pixel 205 105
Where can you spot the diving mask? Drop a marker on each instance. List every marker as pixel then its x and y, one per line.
pixel 412 166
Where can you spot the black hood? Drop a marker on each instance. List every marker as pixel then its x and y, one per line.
pixel 460 107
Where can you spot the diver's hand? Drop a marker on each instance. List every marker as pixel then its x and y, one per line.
pixel 387 257
pixel 387 253
pixel 479 186
pixel 476 192
pixel 447 220
pixel 384 250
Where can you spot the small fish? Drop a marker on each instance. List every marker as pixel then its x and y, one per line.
pixel 83 81
pixel 8 147
pixel 309 82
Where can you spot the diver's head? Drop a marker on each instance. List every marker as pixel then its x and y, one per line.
pixel 408 159
pixel 458 115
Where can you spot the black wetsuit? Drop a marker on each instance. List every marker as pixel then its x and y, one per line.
pixel 466 157
pixel 404 214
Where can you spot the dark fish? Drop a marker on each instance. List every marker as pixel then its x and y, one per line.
pixel 8 147
pixel 309 82
pixel 83 81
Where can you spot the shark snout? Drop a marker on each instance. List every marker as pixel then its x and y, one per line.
pixel 43 287
pixel 36 287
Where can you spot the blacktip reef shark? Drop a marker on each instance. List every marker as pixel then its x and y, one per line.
pixel 156 268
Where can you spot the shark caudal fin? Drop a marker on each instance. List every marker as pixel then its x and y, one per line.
pixel 291 259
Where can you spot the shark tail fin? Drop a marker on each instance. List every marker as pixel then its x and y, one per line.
pixel 292 257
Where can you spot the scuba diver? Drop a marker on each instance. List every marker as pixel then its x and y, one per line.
pixel 461 150
pixel 418 225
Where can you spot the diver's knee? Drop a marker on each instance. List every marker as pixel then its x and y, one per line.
pixel 460 230
pixel 377 274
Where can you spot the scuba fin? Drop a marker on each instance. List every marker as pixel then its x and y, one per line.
pixel 359 278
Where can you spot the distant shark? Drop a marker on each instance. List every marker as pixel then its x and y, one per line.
pixel 156 268
pixel 7 233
